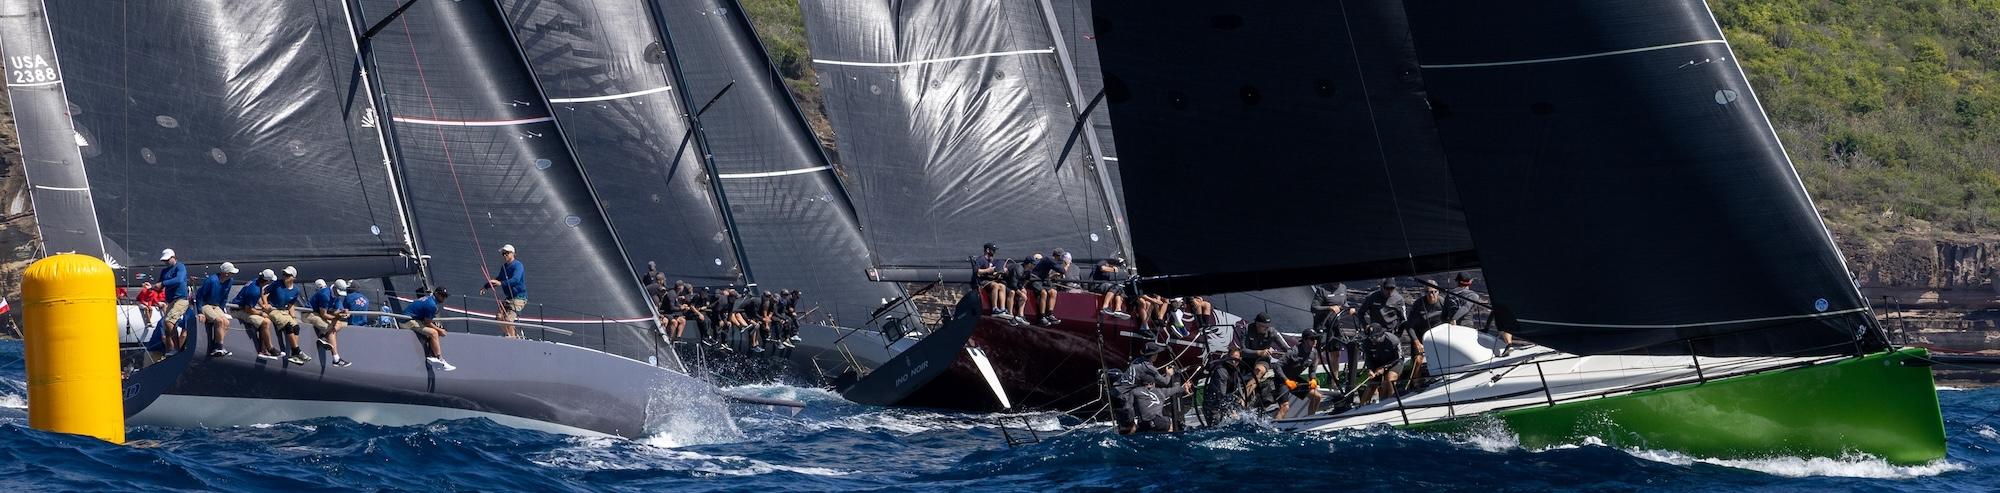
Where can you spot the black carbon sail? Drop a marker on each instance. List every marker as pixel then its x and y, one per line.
pixel 209 128
pixel 791 214
pixel 1301 128
pixel 485 166
pixel 607 77
pixel 951 117
pixel 1624 185
pixel 50 145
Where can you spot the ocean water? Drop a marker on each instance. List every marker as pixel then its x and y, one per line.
pixel 838 446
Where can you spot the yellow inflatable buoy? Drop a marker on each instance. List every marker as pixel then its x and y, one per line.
pixel 70 311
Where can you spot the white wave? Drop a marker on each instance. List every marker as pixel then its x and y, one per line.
pixel 1847 466
pixel 13 401
pixel 782 391
pixel 1238 444
pixel 1987 431
pixel 1942 388
pixel 600 454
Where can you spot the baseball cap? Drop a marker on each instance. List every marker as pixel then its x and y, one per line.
pixel 319 283
pixel 1263 318
pixel 507 248
pixel 166 254
pixel 228 268
pixel 340 286
pixel 291 271
pixel 268 275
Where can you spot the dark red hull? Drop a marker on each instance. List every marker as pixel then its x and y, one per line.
pixel 1050 368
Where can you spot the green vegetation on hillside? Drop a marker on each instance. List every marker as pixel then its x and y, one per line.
pixel 1889 108
pixel 781 28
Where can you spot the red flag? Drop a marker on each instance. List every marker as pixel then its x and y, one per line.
pixel 4 308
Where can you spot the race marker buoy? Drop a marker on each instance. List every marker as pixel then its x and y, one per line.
pixel 70 312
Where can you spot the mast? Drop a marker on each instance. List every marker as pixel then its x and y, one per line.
pixel 364 59
pixel 701 143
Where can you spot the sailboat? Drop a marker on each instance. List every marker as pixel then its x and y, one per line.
pixel 1606 164
pixel 682 123
pixel 397 143
pixel 963 123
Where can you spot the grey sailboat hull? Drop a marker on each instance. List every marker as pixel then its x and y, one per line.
pixel 521 383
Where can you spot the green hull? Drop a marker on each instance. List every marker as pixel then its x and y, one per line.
pixel 1883 405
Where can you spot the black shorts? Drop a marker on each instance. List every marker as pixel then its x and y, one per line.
pixel 1044 285
pixel 1103 287
pixel 1378 362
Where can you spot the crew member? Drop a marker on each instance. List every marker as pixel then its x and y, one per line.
pixel 1223 392
pixel 513 285
pixel 989 274
pixel 1048 272
pixel 249 310
pixel 1108 284
pixel 1383 307
pixel 1020 278
pixel 328 317
pixel 212 296
pixel 423 321
pixel 173 284
pixel 279 298
pixel 1385 353
pixel 151 297
pixel 1298 368
pixel 1262 342
pixel 352 303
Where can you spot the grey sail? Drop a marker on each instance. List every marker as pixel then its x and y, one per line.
pixel 951 117
pixel 224 130
pixel 609 84
pixel 1266 145
pixel 485 166
pixel 1625 188
pixel 50 146
pixel 793 217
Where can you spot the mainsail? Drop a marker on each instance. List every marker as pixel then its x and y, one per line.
pixel 791 213
pixel 607 75
pixel 1302 128
pixel 1624 185
pixel 485 166
pixel 226 130
pixel 952 116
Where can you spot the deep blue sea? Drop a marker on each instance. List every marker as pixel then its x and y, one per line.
pixel 839 446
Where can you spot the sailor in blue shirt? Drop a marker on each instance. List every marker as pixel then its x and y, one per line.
pixel 249 310
pixel 423 320
pixel 327 318
pixel 212 296
pixel 174 282
pixel 281 296
pixel 513 285
pixel 355 302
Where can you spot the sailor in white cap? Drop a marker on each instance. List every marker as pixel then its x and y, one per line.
pixel 328 317
pixel 279 298
pixel 173 283
pixel 513 285
pixel 249 311
pixel 212 296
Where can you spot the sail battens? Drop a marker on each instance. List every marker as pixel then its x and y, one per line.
pixel 1044 51
pixel 1574 57
pixel 37 84
pixel 768 174
pixel 472 123
pixel 62 189
pixel 609 97
pixel 1699 324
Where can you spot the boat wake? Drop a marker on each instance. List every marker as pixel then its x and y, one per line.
pixel 612 454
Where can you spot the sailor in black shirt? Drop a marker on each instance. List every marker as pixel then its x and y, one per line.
pixel 1047 272
pixel 1261 341
pixel 1385 354
pixel 988 273
pixel 1108 284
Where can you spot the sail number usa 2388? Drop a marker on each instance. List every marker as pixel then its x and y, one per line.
pixel 29 69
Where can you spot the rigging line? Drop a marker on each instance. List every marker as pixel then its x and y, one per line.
pixel 1368 101
pixel 1573 57
pixel 451 167
pixel 1699 324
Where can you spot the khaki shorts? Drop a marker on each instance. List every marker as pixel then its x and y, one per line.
pixel 284 320
pixel 214 313
pixel 250 320
pixel 176 310
pixel 320 325
pixel 420 329
pixel 513 306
